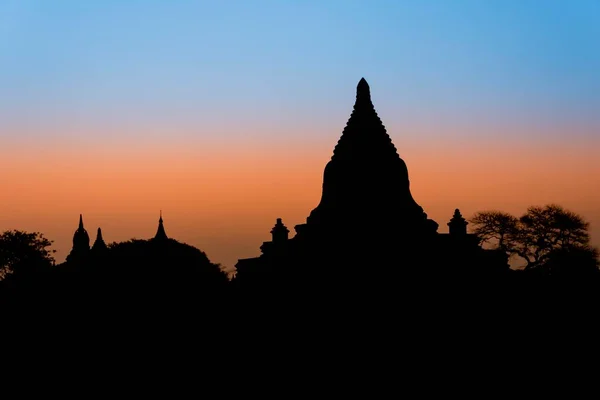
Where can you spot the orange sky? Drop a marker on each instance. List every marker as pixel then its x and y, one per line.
pixel 224 198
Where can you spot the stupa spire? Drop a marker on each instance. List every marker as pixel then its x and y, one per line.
pixel 364 134
pixel 81 242
pixel 363 92
pixel 366 180
pixel 160 232
pixel 99 243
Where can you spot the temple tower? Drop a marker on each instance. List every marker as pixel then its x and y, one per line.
pixel 279 239
pixel 280 232
pixel 366 220
pixel 160 232
pixel 365 184
pixel 81 243
pixel 458 224
pixel 99 244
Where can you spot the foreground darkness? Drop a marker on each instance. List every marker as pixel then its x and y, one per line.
pixel 167 319
pixel 172 281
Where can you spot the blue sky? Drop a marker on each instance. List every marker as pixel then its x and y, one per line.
pixel 149 59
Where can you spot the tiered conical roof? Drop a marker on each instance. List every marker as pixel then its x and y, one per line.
pixel 365 184
pixel 364 134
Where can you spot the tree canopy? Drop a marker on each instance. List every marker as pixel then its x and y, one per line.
pixel 23 253
pixel 542 236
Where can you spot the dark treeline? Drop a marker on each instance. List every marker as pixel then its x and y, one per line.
pixel 155 302
pixel 160 310
pixel 147 278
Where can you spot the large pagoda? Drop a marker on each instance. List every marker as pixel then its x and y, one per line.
pixel 366 210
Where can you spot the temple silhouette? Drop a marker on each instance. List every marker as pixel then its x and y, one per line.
pixel 366 225
pixel 81 243
pixel 161 270
pixel 367 215
pixel 81 249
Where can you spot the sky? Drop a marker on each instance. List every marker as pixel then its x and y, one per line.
pixel 223 114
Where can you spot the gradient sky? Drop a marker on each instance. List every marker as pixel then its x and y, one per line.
pixel 224 113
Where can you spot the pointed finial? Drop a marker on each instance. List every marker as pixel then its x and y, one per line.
pixel 80 221
pixel 363 86
pixel 160 233
pixel 362 90
pixel 99 235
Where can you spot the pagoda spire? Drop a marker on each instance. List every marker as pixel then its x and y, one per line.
pixel 160 232
pixel 366 181
pixel 99 243
pixel 81 243
pixel 364 134
pixel 363 92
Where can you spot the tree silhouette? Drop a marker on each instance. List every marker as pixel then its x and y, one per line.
pixel 161 264
pixel 538 235
pixel 496 228
pixel 23 253
pixel 543 230
pixel 575 262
